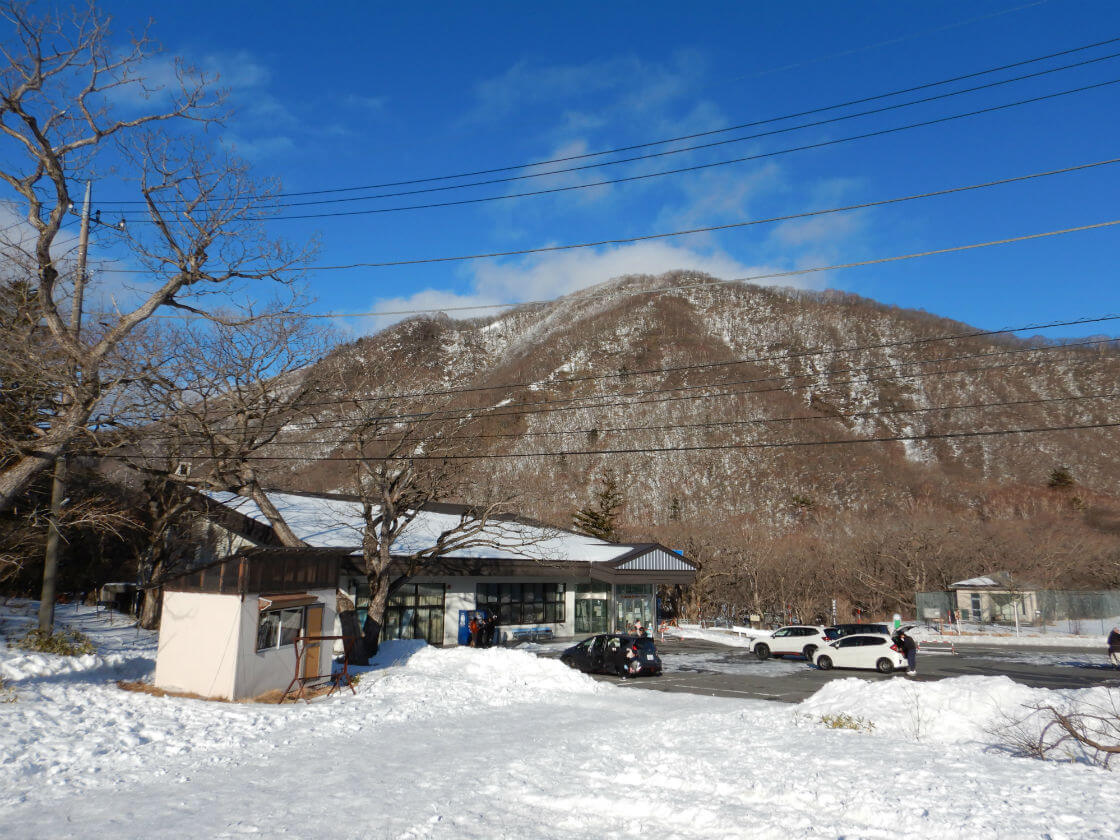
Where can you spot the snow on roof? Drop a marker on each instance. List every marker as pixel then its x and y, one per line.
pixel 332 522
pixel 977 581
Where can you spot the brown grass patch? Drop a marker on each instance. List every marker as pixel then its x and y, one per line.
pixel 273 697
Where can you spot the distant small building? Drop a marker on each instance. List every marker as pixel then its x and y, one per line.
pixel 1001 598
pixel 228 625
pixel 995 597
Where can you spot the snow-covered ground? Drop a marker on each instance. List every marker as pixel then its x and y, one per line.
pixel 731 636
pixel 1088 633
pixel 498 743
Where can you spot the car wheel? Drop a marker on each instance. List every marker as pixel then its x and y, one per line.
pixel 809 650
pixel 824 662
pixel 884 666
pixel 762 651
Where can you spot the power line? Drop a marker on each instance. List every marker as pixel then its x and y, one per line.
pixel 724 423
pixel 692 136
pixel 566 404
pixel 748 279
pixel 728 226
pixel 690 448
pixel 781 357
pixel 643 392
pixel 679 170
pixel 711 228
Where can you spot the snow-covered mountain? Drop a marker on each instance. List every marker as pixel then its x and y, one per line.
pixel 681 363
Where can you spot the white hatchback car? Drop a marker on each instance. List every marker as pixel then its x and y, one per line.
pixel 862 650
pixel 795 640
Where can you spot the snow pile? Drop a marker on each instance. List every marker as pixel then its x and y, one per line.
pixel 17 667
pixel 463 679
pixel 1059 636
pixel 733 637
pixel 964 710
pixel 947 711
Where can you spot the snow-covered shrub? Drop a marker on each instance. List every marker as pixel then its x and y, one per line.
pixel 62 642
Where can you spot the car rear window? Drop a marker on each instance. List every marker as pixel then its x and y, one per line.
pixel 645 645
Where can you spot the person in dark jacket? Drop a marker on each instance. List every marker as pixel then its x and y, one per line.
pixel 489 628
pixel 1114 647
pixel 910 648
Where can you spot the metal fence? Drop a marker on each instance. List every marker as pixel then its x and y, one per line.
pixel 1078 612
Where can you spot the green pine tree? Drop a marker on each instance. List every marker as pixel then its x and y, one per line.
pixel 598 518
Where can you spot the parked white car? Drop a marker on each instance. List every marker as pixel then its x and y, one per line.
pixel 795 640
pixel 862 650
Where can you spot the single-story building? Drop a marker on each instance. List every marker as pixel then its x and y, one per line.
pixel 231 621
pixel 229 627
pixel 994 597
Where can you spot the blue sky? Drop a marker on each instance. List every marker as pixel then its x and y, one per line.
pixel 347 94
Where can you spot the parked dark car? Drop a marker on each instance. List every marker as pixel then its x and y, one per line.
pixel 848 629
pixel 614 653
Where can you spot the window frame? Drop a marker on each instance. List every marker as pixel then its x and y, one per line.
pixel 277 642
pixel 524 603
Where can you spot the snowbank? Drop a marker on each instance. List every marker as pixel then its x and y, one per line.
pixel 499 743
pixel 732 637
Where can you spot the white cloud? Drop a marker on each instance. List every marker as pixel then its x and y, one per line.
pixel 545 277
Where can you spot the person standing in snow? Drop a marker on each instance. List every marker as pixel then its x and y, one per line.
pixel 475 631
pixel 488 628
pixel 910 648
pixel 1114 647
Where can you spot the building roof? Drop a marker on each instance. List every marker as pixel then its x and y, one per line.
pixel 976 583
pixel 994 580
pixel 335 522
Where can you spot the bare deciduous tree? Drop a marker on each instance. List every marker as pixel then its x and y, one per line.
pixel 225 394
pixel 407 456
pixel 68 99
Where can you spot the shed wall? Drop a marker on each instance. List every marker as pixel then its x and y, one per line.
pixel 268 670
pixel 198 642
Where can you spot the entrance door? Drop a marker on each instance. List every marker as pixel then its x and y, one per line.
pixel 632 609
pixel 312 627
pixel 591 615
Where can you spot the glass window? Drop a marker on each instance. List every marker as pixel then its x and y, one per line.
pixel 268 630
pixel 635 589
pixel 291 622
pixel 279 628
pixel 593 588
pixel 415 611
pixel 523 603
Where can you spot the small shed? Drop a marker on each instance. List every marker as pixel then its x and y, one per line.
pixel 229 628
pixel 995 597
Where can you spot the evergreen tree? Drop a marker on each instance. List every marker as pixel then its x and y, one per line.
pixel 598 518
pixel 1061 478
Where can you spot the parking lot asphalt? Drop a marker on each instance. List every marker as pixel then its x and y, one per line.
pixel 699 667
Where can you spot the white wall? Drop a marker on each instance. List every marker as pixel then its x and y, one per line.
pixel 198 643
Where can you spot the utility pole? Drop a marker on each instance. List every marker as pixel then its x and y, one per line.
pixel 58 484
